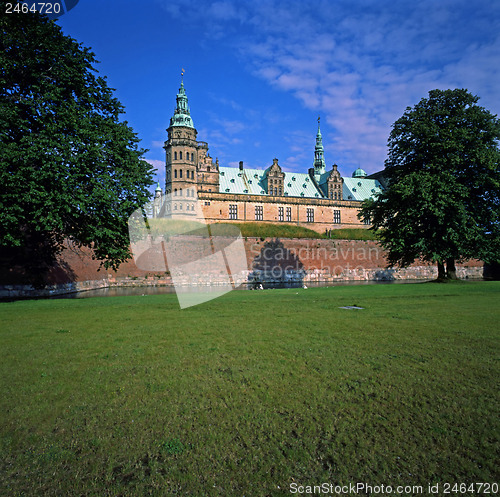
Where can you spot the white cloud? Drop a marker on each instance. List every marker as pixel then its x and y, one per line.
pixel 358 64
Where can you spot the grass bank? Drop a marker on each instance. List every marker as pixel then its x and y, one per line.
pixel 246 394
pixel 269 230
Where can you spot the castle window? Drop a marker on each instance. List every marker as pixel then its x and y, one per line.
pixel 336 217
pixel 192 174
pixel 259 214
pixel 233 211
pixel 208 170
pixel 180 171
pixel 180 207
pixel 175 207
pixel 289 214
pixel 279 191
pixel 280 214
pixel 175 155
pixel 180 155
pixel 175 192
pixel 310 215
pixel 180 192
pixel 192 157
pixel 275 191
pixel 175 173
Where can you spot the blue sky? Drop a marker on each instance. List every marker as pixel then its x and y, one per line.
pixel 260 72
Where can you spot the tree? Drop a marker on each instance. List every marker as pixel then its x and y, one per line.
pixel 69 168
pixel 442 203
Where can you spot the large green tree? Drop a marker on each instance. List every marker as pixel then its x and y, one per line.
pixel 70 168
pixel 442 203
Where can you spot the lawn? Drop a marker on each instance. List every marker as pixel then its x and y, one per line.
pixel 250 393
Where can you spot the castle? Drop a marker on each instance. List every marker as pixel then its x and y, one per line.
pixel 319 199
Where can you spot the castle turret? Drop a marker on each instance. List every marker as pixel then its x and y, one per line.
pixel 319 154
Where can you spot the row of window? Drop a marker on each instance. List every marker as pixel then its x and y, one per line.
pixel 178 174
pixel 188 155
pixel 189 192
pixel 175 207
pixel 259 214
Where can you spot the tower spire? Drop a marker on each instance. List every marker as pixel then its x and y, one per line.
pixel 182 115
pixel 319 153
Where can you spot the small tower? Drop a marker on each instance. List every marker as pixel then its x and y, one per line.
pixel 319 154
pixel 158 192
pixel 181 158
pixel 157 201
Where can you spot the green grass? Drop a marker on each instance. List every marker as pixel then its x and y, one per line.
pixel 269 230
pixel 250 392
pixel 257 230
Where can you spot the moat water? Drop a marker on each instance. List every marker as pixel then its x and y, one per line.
pixel 160 290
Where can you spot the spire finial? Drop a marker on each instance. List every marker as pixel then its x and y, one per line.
pixel 182 75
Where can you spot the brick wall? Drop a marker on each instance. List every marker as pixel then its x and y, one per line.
pixel 305 260
pixel 215 208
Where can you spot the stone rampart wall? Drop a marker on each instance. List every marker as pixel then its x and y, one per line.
pixel 269 260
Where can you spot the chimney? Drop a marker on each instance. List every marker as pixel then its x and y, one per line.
pixel 241 165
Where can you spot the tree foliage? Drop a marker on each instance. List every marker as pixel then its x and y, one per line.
pixel 442 202
pixel 69 167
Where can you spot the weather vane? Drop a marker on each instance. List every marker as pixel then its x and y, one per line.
pixel 182 72
pixel 319 119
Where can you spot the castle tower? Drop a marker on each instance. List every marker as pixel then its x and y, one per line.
pixel 181 158
pixel 319 154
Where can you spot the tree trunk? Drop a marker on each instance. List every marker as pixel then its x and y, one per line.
pixel 441 271
pixel 451 270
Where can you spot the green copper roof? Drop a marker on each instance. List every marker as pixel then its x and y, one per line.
pixel 359 173
pixel 182 115
pixel 158 188
pixel 360 188
pixel 254 182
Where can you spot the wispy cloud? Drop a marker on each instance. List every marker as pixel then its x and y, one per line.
pixel 359 64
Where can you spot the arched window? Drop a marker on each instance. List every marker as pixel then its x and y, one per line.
pixel 175 207
pixel 192 174
pixel 175 173
pixel 175 192
pixel 175 155
pixel 180 192
pixel 180 173
pixel 192 157
pixel 180 155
